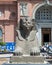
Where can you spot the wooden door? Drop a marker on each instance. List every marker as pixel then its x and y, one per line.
pixel 46 35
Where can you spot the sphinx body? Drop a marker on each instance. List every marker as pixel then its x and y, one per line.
pixel 26 40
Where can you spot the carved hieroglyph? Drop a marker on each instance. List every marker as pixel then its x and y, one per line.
pixel 26 40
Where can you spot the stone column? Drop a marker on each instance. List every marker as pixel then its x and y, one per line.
pixel 39 35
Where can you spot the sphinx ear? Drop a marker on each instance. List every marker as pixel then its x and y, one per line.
pixel 21 24
pixel 21 20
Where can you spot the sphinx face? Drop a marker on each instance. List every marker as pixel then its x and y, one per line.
pixel 27 24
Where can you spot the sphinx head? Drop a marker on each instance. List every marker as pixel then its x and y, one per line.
pixel 26 27
pixel 26 24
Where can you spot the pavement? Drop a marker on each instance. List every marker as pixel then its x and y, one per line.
pixel 26 64
pixel 4 58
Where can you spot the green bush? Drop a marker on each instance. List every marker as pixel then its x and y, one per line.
pixel 1 39
pixel 5 50
pixel 2 43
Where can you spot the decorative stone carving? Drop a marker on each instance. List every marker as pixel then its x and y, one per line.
pixel 26 38
pixel 47 1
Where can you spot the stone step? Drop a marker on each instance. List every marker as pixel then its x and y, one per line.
pixel 27 59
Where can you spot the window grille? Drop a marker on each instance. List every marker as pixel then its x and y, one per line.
pixel 44 13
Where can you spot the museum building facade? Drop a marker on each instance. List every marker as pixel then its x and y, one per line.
pixel 12 12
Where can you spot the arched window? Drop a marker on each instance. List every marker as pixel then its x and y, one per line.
pixel 0 35
pixel 44 13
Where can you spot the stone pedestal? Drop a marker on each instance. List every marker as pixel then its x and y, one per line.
pixel 27 59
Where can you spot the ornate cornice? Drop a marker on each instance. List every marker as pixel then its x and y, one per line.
pixel 47 2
